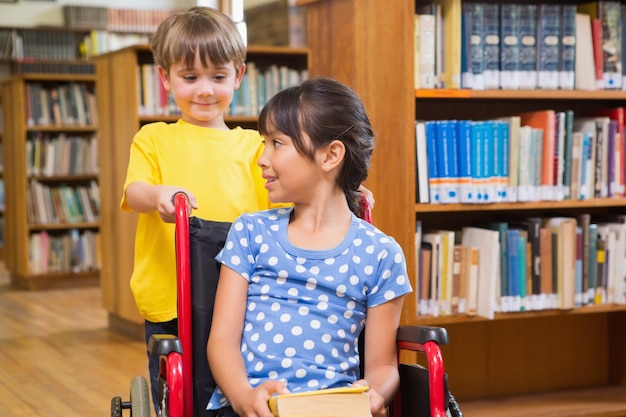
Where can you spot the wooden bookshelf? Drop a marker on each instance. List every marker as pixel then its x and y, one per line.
pixel 118 103
pixel 2 199
pixel 72 269
pixel 556 363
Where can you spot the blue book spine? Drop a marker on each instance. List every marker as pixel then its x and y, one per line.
pixel 505 147
pixel 567 56
pixel 433 164
pixel 528 46
pixel 509 46
pixel 513 266
pixel 476 60
pixel 521 255
pixel 585 170
pixel 453 164
pixel 464 160
pixel 489 156
pixel 548 39
pixel 443 163
pixel 477 161
pixel 491 49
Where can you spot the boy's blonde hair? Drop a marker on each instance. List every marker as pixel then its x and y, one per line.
pixel 198 30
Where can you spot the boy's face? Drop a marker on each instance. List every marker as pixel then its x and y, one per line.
pixel 202 94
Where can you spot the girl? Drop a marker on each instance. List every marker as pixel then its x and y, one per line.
pixel 297 283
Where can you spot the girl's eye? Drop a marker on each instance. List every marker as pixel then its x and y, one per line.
pixel 277 143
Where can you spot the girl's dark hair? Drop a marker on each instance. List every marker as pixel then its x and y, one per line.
pixel 326 110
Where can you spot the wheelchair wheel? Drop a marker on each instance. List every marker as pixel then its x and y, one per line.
pixel 116 407
pixel 139 397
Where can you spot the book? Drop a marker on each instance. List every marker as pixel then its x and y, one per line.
pixel 528 46
pixel 548 39
pixel 546 121
pixel 491 45
pixel 609 14
pixel 567 47
pixel 585 69
pixel 473 15
pixel 487 242
pixel 422 183
pixel 452 16
pixel 331 402
pixel 509 46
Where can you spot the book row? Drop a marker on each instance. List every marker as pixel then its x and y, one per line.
pixel 259 84
pixel 114 19
pixel 524 264
pixel 72 251
pixel 520 46
pixel 70 104
pixel 50 154
pixel 542 155
pixel 62 204
pixel 26 43
pixel 102 41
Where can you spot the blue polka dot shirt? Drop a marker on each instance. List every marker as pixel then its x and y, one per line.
pixel 306 308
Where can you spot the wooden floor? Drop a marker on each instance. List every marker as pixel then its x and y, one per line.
pixel 57 357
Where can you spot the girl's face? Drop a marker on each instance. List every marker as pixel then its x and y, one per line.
pixel 202 94
pixel 290 176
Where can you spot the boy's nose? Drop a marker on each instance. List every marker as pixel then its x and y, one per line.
pixel 206 88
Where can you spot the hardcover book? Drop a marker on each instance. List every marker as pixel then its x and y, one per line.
pixel 332 402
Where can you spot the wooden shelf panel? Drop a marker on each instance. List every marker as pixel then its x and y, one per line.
pixel 536 205
pixel 520 94
pixel 609 401
pixel 461 318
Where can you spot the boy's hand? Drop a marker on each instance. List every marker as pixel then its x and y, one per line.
pixel 368 194
pixel 377 402
pixel 165 202
pixel 253 403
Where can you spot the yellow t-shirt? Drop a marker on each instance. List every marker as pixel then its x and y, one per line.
pixel 218 166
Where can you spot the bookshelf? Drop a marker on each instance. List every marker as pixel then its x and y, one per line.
pixel 119 103
pixel 2 195
pixel 561 363
pixel 52 214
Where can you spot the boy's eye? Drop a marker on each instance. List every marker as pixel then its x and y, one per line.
pixel 219 77
pixel 190 77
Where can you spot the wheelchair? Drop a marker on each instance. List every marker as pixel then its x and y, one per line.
pixel 185 381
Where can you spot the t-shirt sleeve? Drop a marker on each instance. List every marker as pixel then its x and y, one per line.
pixel 142 163
pixel 236 253
pixel 392 278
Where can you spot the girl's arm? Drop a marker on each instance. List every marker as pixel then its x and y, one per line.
pixel 381 360
pixel 224 349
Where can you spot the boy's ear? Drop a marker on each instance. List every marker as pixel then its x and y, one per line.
pixel 239 76
pixel 331 155
pixel 165 78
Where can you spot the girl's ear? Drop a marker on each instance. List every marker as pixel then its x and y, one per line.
pixel 331 155
pixel 239 76
pixel 165 78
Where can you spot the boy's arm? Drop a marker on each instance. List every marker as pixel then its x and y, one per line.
pixel 381 361
pixel 144 198
pixel 224 349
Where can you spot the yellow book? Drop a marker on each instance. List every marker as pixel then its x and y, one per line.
pixel 452 12
pixel 332 402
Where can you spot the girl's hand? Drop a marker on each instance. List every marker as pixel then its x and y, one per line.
pixel 377 402
pixel 253 403
pixel 165 202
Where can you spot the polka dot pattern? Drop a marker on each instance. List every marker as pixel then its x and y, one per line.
pixel 306 309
